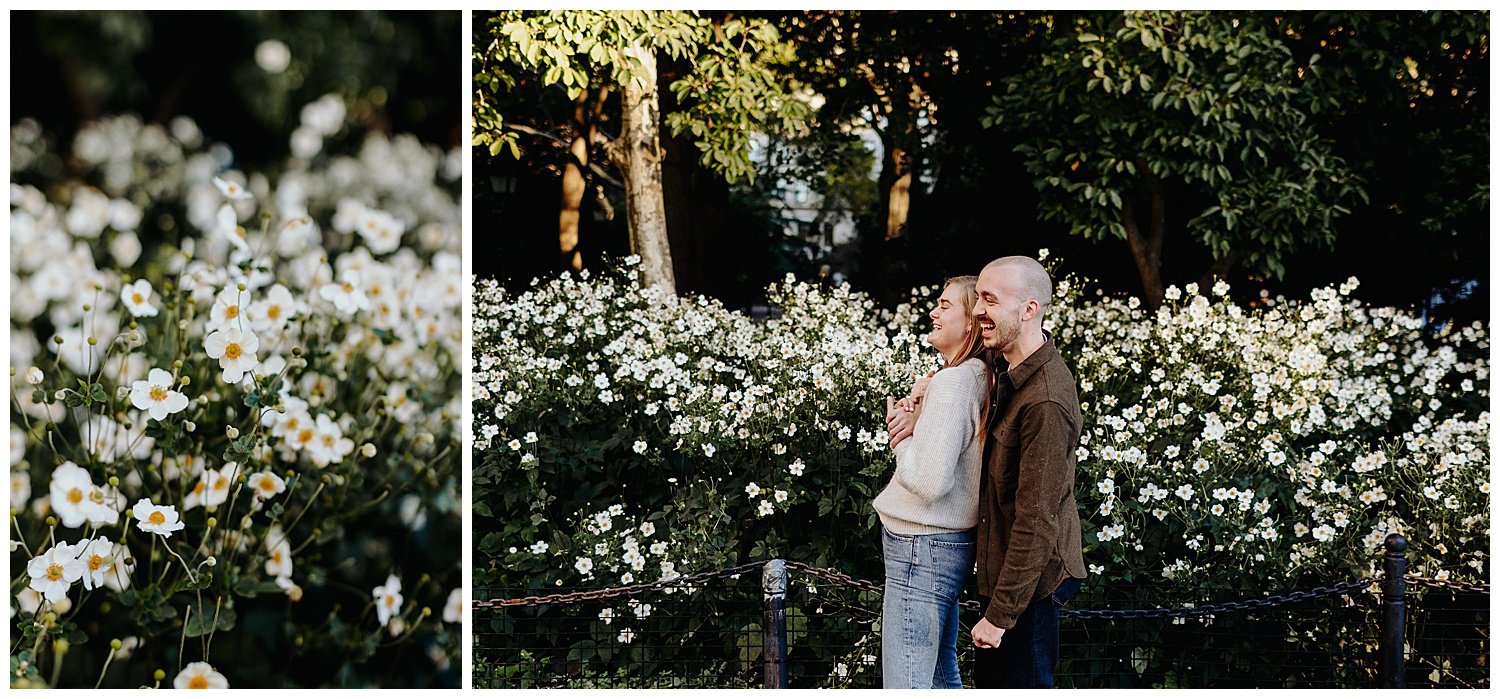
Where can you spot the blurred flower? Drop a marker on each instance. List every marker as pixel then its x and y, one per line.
pixel 273 56
pixel 137 298
pixel 453 611
pixel 388 600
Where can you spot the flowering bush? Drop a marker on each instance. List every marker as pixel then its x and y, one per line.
pixel 623 436
pixel 234 405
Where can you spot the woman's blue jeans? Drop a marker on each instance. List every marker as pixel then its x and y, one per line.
pixel 924 575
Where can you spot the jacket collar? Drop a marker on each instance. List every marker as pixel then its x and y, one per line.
pixel 1019 374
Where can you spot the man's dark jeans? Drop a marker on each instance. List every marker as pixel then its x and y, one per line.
pixel 1027 656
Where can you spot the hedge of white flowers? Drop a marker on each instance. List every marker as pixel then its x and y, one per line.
pixel 234 406
pixel 626 436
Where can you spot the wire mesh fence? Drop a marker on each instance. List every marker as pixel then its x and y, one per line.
pixel 714 630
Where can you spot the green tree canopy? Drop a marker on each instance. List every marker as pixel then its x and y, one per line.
pixel 1132 117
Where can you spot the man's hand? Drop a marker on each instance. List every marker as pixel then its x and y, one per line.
pixel 987 635
pixel 919 387
pixel 899 421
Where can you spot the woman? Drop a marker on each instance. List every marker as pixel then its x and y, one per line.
pixel 929 509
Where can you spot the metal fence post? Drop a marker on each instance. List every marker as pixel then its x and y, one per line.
pixel 1393 630
pixel 773 582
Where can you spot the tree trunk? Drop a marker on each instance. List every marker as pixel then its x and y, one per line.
pixel 639 156
pixel 898 193
pixel 586 111
pixel 1220 269
pixel 573 187
pixel 1145 248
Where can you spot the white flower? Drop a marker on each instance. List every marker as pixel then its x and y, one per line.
pixel 329 444
pixel 137 298
pixel 640 446
pixel 647 529
pixel 231 190
pixel 709 450
pixel 453 610
pixel 607 615
pixel 200 675
pixel 539 548
pixel 765 508
pixel 388 600
pixel 1185 491
pixel 98 560
pixel 279 555
pixel 797 467
pixel 659 548
pixel 154 519
pixel 266 485
pixel 235 350
pixel 69 490
pixel 584 565
pixel 626 636
pixel 643 611
pixel 627 578
pixel 117 577
pixel 34 376
pixel 345 295
pixel 156 397
pixel 228 312
pixel 380 231
pixel 780 495
pixel 212 487
pixel 53 572
pixel 752 490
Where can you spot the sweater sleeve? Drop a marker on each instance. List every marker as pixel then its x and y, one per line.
pixel 926 464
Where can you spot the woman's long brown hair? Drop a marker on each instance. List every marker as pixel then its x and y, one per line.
pixel 973 347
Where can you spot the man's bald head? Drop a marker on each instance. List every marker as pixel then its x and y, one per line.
pixel 1026 278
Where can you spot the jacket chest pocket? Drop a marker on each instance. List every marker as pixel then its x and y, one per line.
pixel 1004 459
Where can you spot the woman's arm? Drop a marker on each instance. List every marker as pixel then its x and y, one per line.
pixel 926 464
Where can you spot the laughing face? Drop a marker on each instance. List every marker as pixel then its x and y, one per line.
pixel 997 310
pixel 950 321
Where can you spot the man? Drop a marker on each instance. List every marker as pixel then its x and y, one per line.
pixel 1030 545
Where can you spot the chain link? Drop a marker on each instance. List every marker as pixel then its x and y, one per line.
pixel 1482 588
pixel 846 580
pixel 612 592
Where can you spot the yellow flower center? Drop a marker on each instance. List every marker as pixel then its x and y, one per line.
pixel 97 497
pixel 273 312
pixel 221 482
pixel 348 287
pixel 327 440
pixel 276 556
pixel 267 484
pixel 232 312
pixel 157 517
pixel 137 298
pixel 75 496
pixel 198 682
pixel 96 562
pixel 158 393
pixel 198 489
pixel 305 436
pixel 232 350
pixel 54 572
pixel 390 600
pixel 374 291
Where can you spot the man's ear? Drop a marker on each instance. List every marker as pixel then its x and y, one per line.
pixel 1032 308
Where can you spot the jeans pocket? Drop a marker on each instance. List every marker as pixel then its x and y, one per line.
pixel 1066 590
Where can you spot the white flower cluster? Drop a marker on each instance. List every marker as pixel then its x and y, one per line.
pixel 1307 425
pixel 298 317
pixel 1214 433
